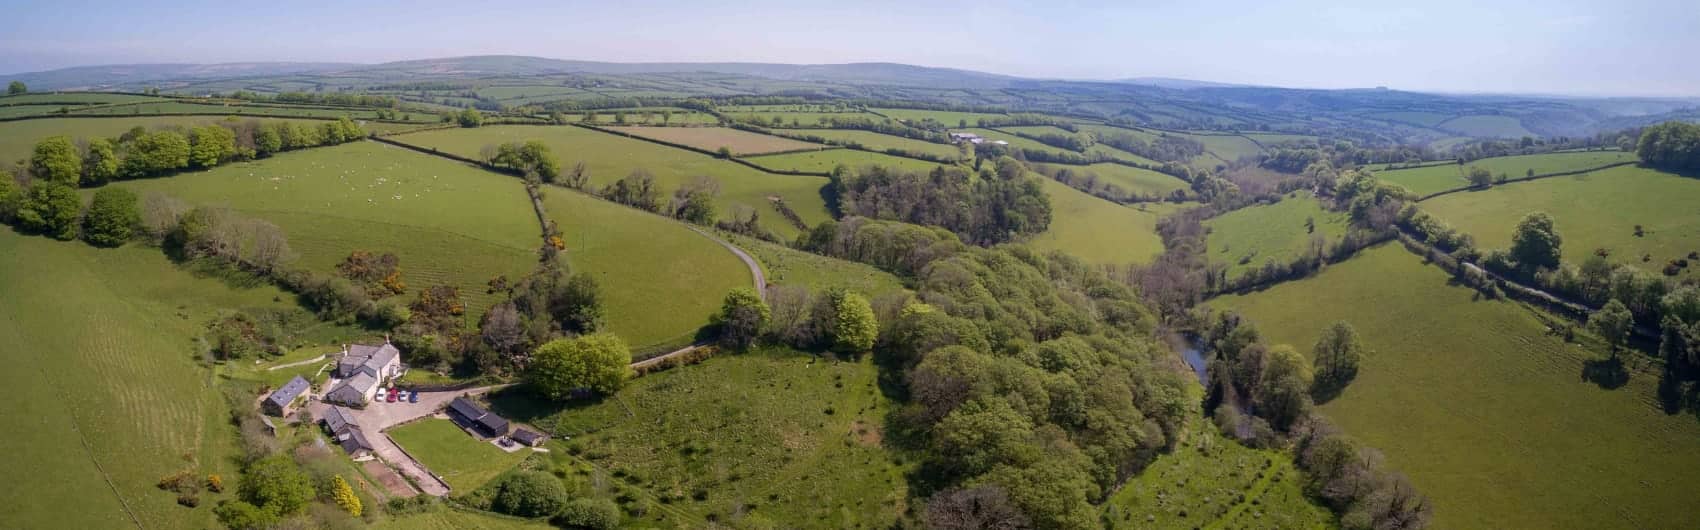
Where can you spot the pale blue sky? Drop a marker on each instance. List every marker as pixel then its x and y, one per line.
pixel 1631 47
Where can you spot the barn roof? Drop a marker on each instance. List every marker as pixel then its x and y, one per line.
pixel 288 392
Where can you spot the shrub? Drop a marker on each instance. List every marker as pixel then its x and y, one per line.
pixel 590 514
pixel 529 494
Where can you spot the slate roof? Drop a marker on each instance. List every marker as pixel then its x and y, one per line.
pixel 366 359
pixel 288 392
pixel 467 409
pixel 496 424
pixel 356 441
pixel 338 418
pixel 526 436
pixel 352 391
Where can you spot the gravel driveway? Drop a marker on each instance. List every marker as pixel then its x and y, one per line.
pixel 378 417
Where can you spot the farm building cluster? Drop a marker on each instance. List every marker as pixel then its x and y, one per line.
pixel 975 139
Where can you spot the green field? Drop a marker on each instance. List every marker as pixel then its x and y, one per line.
pixel 795 436
pixel 278 111
pixel 1490 126
pixel 948 118
pixel 659 279
pixel 1483 407
pixel 83 98
pixel 18 138
pixel 1246 238
pixel 1025 143
pixel 464 462
pixel 1596 210
pixel 1430 179
pixel 1209 481
pixel 610 157
pixel 1133 179
pixel 449 223
pixel 880 142
pixel 1097 231
pixel 1161 209
pixel 103 384
pixel 1228 148
pixel 1425 119
pixel 798 119
pixel 825 161
pixel 714 138
pixel 455 519
pixel 651 117
pixel 787 266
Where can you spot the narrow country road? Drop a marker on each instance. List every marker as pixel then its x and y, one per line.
pixel 755 268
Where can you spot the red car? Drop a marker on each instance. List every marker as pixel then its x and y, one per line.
pixel 393 394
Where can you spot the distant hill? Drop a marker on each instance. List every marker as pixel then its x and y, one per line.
pixel 1178 84
pixel 100 77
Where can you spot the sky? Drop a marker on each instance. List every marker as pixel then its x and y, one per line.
pixel 1580 47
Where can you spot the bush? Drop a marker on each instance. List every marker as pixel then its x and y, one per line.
pixel 529 494
pixel 589 514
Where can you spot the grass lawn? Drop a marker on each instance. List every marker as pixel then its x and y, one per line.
pixel 949 118
pixel 104 384
pixel 1210 481
pixel 714 138
pixel 1097 231
pixel 463 461
pixel 610 157
pixel 825 161
pixel 18 138
pixel 1429 179
pixel 787 266
pixel 1483 407
pixel 1495 126
pixel 881 142
pixel 661 281
pixel 1246 238
pixel 795 436
pixel 1591 211
pixel 448 222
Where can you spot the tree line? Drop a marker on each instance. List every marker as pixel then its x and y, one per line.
pixel 994 206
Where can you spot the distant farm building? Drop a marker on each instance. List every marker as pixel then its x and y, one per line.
pixel 468 414
pixel 283 399
pixel 363 369
pixel 974 139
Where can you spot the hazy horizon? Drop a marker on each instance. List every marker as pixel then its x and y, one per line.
pixel 1565 47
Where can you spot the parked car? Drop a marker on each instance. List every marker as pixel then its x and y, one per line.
pixel 393 394
pixel 413 397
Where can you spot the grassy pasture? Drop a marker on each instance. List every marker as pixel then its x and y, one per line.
pixel 277 111
pixel 18 138
pixel 798 119
pixel 653 116
pixel 1225 147
pixel 1592 211
pixel 610 157
pixel 787 266
pixel 1132 179
pixel 660 280
pixel 753 428
pixel 1246 238
pixel 714 138
pixel 83 98
pixel 1483 407
pixel 1429 179
pixel 463 461
pixel 1493 126
pixel 881 142
pixel 949 118
pixel 1096 230
pixel 1025 143
pixel 1161 209
pixel 449 223
pixel 454 519
pixel 103 384
pixel 825 160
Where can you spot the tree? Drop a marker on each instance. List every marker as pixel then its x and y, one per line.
pixel 529 494
pixel 1536 244
pixel 1283 392
pixel 470 118
pixel 502 328
pixel 11 197
pixel 1336 357
pixel 51 208
pixel 854 326
pixel 267 140
pixel 156 153
pixel 277 485
pixel 980 508
pixel 209 145
pixel 16 87
pixel 1480 178
pixel 56 159
pixel 1613 323
pixel 598 362
pixel 100 164
pixel 112 217
pixel 345 496
pixel 589 514
pixel 1670 145
pixel 240 515
pixel 742 317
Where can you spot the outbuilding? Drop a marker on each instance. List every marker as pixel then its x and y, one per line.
pixel 282 400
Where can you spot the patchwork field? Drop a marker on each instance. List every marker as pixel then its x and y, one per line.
pixel 610 157
pixel 75 98
pixel 742 433
pixel 1429 179
pixel 1482 406
pixel 713 138
pixel 825 161
pixel 461 460
pixel 448 222
pixel 661 281
pixel 948 118
pixel 1025 143
pixel 105 395
pixel 1246 238
pixel 787 266
pixel 1596 210
pixel 881 142
pixel 1097 231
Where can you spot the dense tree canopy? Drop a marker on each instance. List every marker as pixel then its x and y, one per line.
pixel 742 317
pixel 1336 356
pixel 598 362
pixel 1536 244
pixel 51 208
pixel 991 207
pixel 1671 145
pixel 112 217
pixel 56 159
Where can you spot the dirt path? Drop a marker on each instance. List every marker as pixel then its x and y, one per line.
pixel 755 268
pixel 321 357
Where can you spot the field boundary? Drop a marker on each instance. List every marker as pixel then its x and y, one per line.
pixel 735 159
pixel 900 153
pixel 1526 179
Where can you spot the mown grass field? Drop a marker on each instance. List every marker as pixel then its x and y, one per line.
pixel 1484 407
pixel 1209 481
pixel 449 223
pixel 714 138
pixel 1097 231
pixel 792 438
pixel 1430 179
pixel 1486 125
pixel 824 161
pixel 1246 238
pixel 660 280
pixel 1596 210
pixel 463 461
pixel 949 118
pixel 18 138
pixel 881 142
pixel 104 385
pixel 787 266
pixel 610 157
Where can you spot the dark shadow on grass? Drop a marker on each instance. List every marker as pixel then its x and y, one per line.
pixel 1607 373
pixel 518 403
